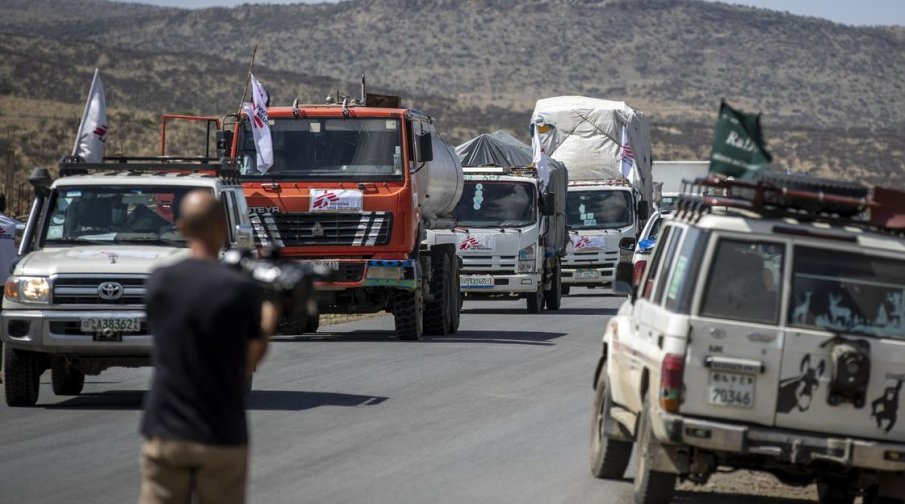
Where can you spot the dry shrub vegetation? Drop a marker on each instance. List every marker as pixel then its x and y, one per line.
pixel 832 97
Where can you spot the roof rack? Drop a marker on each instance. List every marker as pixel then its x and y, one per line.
pixel 622 182
pixel 225 168
pixel 529 171
pixel 803 198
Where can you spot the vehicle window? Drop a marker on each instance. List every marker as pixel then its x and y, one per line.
pixel 848 292
pixel 311 149
pixel 114 214
pixel 744 281
pixel 651 275
pixel 682 278
pixel 611 209
pixel 668 263
pixel 495 204
pixel 234 203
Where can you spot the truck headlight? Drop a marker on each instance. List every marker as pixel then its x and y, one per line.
pixel 27 289
pixel 525 266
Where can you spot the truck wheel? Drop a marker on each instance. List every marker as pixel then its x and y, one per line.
pixel 536 300
pixel 436 313
pixel 66 380
pixel 553 297
pixel 651 487
pixel 21 377
pixel 407 314
pixel 455 299
pixel 312 324
pixel 831 491
pixel 291 325
pixel 566 289
pixel 872 496
pixel 609 457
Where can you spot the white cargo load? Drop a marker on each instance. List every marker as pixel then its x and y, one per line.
pixel 587 137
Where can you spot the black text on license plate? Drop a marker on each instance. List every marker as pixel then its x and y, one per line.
pixel 731 389
pixel 111 325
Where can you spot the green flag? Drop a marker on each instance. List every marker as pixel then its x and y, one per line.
pixel 738 144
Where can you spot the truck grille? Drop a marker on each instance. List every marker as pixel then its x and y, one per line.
pixel 88 290
pixel 500 265
pixel 318 228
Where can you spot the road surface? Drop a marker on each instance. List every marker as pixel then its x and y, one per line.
pixel 497 413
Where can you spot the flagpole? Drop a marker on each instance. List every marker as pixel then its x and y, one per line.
pixel 247 79
pixel 78 136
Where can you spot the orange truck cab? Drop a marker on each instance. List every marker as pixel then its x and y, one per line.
pixel 360 190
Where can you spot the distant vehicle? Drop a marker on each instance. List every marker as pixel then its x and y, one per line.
pixel 766 333
pixel 361 186
pixel 646 242
pixel 671 174
pixel 512 229
pixel 75 300
pixel 605 211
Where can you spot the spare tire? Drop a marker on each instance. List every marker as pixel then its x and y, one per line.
pixel 813 184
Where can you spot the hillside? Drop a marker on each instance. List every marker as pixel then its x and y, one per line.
pixel 832 97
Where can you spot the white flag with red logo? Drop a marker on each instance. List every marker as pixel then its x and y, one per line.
pixel 540 160
pixel 260 125
pixel 627 155
pixel 90 141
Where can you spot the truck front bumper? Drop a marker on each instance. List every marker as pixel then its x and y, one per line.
pixel 783 445
pixel 588 276
pixel 356 273
pixel 59 331
pixel 478 285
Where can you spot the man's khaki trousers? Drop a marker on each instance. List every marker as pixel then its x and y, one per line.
pixel 183 472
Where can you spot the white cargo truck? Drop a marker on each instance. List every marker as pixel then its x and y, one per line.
pixel 668 176
pixel 512 231
pixel 606 148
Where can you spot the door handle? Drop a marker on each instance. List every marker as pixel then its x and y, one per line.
pixel 761 337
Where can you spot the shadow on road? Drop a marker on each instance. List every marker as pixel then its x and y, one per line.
pixel 540 338
pixel 561 311
pixel 294 400
pixel 107 400
pixel 735 498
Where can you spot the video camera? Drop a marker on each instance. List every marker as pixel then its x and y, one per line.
pixel 287 283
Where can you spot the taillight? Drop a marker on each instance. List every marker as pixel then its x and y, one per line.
pixel 671 382
pixel 639 271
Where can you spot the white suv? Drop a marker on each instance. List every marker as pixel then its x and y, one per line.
pixel 75 300
pixel 767 333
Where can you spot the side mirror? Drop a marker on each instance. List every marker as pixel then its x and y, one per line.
pixel 627 243
pixel 548 204
pixel 623 284
pixel 245 238
pixel 224 143
pixel 643 211
pixel 425 148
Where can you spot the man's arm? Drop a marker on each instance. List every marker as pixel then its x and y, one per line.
pixel 257 347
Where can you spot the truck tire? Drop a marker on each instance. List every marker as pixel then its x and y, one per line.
pixel 566 289
pixel 830 491
pixel 536 300
pixel 407 314
pixel 437 312
pixel 609 457
pixel 291 325
pixel 21 377
pixel 66 380
pixel 455 298
pixel 651 487
pixel 312 324
pixel 553 297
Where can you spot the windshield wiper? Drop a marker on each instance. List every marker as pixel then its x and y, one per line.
pixel 147 239
pixel 75 241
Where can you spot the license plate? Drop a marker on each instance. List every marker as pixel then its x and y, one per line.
pixel 96 325
pixel 731 389
pixel 329 264
pixel 475 282
pixel 586 275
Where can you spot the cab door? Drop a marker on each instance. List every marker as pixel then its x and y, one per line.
pixel 735 339
pixel 849 302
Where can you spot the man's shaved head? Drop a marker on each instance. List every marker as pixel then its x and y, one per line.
pixel 202 220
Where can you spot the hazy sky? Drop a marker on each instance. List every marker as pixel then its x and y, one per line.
pixel 865 12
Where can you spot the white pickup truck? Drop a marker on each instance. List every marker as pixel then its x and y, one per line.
pixel 75 300
pixel 767 333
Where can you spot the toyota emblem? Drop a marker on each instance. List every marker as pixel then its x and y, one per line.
pixel 110 290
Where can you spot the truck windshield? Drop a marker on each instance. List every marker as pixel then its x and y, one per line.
pixel 609 209
pixel 327 149
pixel 497 204
pixel 109 214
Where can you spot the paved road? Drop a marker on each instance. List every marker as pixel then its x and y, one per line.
pixel 497 413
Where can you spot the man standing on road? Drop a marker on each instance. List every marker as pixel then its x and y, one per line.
pixel 210 327
pixel 7 253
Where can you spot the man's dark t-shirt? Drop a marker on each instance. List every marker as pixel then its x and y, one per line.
pixel 201 315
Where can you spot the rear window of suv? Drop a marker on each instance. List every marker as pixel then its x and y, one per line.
pixel 744 281
pixel 848 292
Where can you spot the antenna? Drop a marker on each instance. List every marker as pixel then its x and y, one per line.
pixel 363 90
